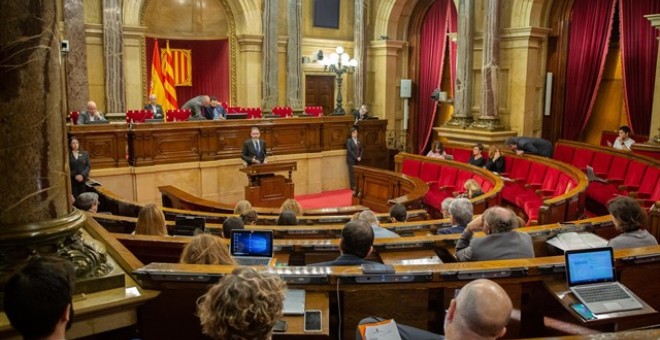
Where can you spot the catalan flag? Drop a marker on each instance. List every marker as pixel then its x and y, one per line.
pixel 171 102
pixel 156 87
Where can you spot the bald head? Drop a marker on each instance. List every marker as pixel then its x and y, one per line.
pixel 91 106
pixel 481 311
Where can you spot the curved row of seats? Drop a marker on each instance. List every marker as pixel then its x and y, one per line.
pixel 446 177
pixel 624 173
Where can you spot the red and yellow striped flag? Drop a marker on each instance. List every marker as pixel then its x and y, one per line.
pixel 156 86
pixel 171 102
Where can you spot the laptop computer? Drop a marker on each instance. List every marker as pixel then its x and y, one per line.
pixel 449 157
pixel 591 176
pixel 294 302
pixel 252 247
pixel 590 276
pixel 189 225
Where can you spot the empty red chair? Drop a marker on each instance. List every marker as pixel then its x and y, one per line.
pixel 462 155
pixel 582 158
pixel 601 163
pixel 429 172
pixel 618 173
pixel 487 186
pixel 564 153
pixel 648 184
pixel 411 167
pixel 536 174
pixel 520 168
pixel 447 178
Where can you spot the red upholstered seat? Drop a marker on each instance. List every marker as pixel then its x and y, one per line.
pixel 582 158
pixel 649 183
pixel 520 168
pixel 446 179
pixel 463 175
pixel 487 186
pixel 480 180
pixel 461 155
pixel 655 196
pixel 434 198
pixel 411 167
pixel 536 174
pixel 603 192
pixel 601 163
pixel 564 153
pixel 429 172
pixel 618 172
pixel 634 176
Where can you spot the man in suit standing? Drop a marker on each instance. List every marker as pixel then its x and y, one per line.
pixel 197 105
pixel 254 149
pixel 92 114
pixel 154 107
pixel 356 243
pixel 353 154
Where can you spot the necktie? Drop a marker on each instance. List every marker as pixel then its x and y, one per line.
pixel 256 146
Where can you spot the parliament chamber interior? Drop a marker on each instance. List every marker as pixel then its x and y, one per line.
pixel 186 110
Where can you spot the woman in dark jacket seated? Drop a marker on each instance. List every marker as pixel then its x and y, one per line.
pixel 477 159
pixel 495 161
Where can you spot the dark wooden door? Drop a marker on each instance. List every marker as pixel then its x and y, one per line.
pixel 320 91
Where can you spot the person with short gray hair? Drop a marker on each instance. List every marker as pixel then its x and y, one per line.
pixel 460 211
pixel 379 232
pixel 444 207
pixel 501 240
pixel 88 201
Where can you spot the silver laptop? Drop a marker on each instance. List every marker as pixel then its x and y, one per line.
pixel 252 247
pixel 590 275
pixel 294 302
pixel 591 176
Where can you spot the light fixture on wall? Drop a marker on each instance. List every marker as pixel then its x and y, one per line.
pixel 339 62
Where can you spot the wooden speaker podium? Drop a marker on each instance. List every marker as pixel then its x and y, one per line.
pixel 265 189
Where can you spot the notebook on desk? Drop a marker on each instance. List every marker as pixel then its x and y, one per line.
pixel 252 247
pixel 590 276
pixel 294 302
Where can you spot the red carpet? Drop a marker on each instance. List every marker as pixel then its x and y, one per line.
pixel 328 199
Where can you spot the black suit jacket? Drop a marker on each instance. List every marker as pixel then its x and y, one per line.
pixel 79 166
pixel 354 151
pixel 249 151
pixel 343 260
pixel 158 113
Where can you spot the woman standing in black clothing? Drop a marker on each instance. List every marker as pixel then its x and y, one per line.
pixel 78 168
pixel 477 159
pixel 495 161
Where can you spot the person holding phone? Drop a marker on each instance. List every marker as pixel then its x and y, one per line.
pixel 245 304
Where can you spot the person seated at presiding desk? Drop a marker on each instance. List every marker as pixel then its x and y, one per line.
pixel 37 298
pixel 231 223
pixel 356 243
pixel 206 249
pixel 477 159
pixel 501 240
pixel 531 145
pixel 154 107
pixel 361 114
pixel 254 149
pixel 87 201
pixel 197 105
pixel 630 218
pixel 623 142
pixel 379 232
pixel 437 150
pixel 460 214
pixel 242 305
pixel 481 310
pixel 398 213
pixel 495 162
pixel 215 111
pixel 91 115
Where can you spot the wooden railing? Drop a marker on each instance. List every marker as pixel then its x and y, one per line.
pixel 379 189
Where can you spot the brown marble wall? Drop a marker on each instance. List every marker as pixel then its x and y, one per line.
pixel 113 42
pixel 76 59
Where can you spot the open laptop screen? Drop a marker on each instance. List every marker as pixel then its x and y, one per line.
pixel 587 266
pixel 251 243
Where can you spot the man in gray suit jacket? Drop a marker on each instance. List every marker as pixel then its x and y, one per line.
pixel 92 114
pixel 196 105
pixel 501 240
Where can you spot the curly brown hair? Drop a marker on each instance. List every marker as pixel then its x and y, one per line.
pixel 243 305
pixel 206 249
pixel 627 213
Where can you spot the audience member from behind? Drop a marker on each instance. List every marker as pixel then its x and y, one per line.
pixel 79 167
pixel 356 243
pixel 398 213
pixel 630 218
pixel 91 115
pixel 242 207
pixel 243 305
pixel 151 221
pixel 623 142
pixel 379 232
pixel 231 223
pixel 292 205
pixel 477 159
pixel 501 240
pixel 481 310
pixel 460 214
pixel 472 189
pixel 250 218
pixel 197 105
pixel 437 150
pixel 88 201
pixel 37 299
pixel 206 249
pixel 495 162
pixel 154 107
pixel 444 207
pixel 531 145
pixel 287 217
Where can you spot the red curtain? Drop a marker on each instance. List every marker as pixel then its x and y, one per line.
pixel 432 54
pixel 591 26
pixel 639 52
pixel 210 67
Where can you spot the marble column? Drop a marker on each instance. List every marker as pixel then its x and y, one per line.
pixel 35 215
pixel 654 132
pixel 489 119
pixel 269 76
pixel 294 58
pixel 464 61
pixel 113 42
pixel 360 51
pixel 75 61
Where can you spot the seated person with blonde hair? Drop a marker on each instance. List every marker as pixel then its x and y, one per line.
pixel 242 207
pixel 250 218
pixel 472 189
pixel 292 205
pixel 206 249
pixel 243 305
pixel 151 221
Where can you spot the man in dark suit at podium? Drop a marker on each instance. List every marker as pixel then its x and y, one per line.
pixel 254 149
